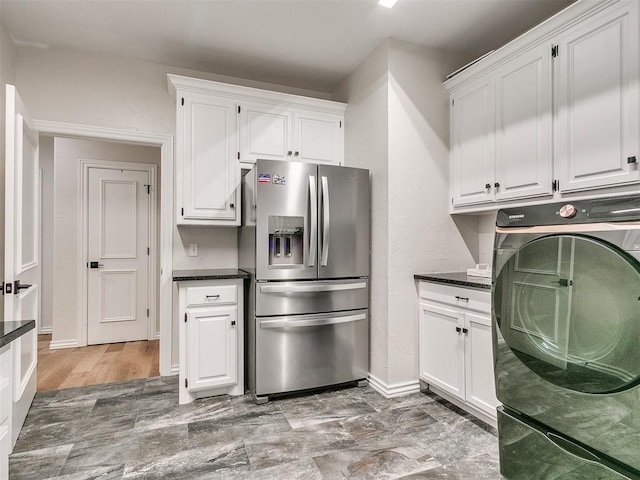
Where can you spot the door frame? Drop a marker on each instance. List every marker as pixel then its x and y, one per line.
pixel 166 144
pixel 152 284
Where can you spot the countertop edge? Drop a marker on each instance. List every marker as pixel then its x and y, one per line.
pixel 438 278
pixel 209 274
pixel 17 333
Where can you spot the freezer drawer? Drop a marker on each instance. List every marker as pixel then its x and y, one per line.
pixel 309 351
pixel 294 298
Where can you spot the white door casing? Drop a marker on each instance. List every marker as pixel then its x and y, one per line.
pixel 119 243
pixel 22 246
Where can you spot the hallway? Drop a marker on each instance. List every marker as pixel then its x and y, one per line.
pixel 95 364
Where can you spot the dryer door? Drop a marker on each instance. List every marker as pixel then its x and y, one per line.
pixel 568 307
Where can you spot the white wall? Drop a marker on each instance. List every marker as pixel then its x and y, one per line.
pixel 46 259
pixel 422 235
pixel 366 146
pixel 7 75
pixel 74 87
pixel 66 250
pixel 412 231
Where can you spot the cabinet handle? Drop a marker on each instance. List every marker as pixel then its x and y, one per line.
pixel 497 185
pixel 464 299
pixel 487 186
pixel 232 205
pixel 289 153
pixel 212 296
pixel 458 329
pixel 632 159
pixel 233 322
pixel 296 154
pixel 465 331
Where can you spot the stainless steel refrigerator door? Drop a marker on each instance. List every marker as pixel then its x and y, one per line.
pixel 343 243
pixel 310 351
pixel 286 192
pixel 296 298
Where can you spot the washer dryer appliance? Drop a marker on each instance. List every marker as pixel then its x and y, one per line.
pixel 566 312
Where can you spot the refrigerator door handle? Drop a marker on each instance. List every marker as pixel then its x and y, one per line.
pixel 313 235
pixel 312 288
pixel 325 222
pixel 284 322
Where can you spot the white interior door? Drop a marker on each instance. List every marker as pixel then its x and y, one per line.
pixel 22 246
pixel 118 255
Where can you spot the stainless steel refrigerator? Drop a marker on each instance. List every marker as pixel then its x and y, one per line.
pixel 305 243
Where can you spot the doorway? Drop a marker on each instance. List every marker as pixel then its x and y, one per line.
pixel 100 209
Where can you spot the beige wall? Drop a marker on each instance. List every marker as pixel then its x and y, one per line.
pixel 66 251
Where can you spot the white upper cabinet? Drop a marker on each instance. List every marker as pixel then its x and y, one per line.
pixel 266 132
pixel 472 137
pixel 319 137
pixel 523 126
pixel 597 101
pixel 207 171
pixel 275 132
pixel 221 128
pixel 553 112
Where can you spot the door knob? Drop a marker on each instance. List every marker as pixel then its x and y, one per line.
pixel 20 286
pixel 95 265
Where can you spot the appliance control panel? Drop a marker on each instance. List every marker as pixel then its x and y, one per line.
pixel 567 211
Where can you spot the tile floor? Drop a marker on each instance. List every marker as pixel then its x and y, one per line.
pixel 136 429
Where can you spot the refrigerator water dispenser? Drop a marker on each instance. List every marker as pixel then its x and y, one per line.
pixel 286 241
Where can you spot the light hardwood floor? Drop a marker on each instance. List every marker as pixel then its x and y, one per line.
pixel 95 364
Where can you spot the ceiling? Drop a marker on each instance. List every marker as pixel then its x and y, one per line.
pixel 311 44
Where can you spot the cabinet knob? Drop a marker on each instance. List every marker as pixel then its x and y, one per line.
pixel 632 159
pixel 233 322
pixel 497 185
pixel 458 329
pixel 232 205
pixel 296 154
pixel 289 153
pixel 465 331
pixel 487 186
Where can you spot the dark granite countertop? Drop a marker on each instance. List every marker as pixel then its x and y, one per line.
pixel 208 274
pixel 456 278
pixel 9 331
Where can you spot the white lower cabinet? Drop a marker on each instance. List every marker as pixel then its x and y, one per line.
pixel 5 409
pixel 211 338
pixel 456 357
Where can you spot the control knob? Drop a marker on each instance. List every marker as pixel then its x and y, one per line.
pixel 568 211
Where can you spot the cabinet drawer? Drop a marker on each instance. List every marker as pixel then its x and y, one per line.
pixel 467 298
pixel 212 295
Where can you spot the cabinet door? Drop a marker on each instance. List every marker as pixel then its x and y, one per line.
pixel 265 132
pixel 523 126
pixel 5 449
pixel 442 348
pixel 212 348
pixel 473 143
pixel 480 383
pixel 319 137
pixel 597 93
pixel 207 169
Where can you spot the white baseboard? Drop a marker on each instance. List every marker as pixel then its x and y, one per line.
pixel 396 390
pixel 45 330
pixel 63 344
pixel 175 369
